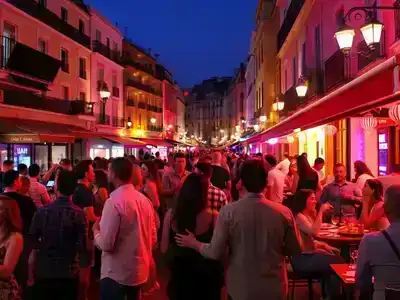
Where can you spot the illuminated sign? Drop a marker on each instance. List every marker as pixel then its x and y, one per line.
pixel 22 150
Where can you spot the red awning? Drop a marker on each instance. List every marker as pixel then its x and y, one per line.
pixel 31 131
pixel 372 89
pixel 156 142
pixel 127 142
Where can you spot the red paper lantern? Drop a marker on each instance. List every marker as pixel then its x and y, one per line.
pixel 394 113
pixel 369 122
pixel 330 130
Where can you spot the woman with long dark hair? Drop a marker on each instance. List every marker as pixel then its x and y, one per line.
pixel 373 214
pixel 317 256
pixel 362 173
pixel 192 275
pixel 151 183
pixel 308 178
pixel 11 244
pixel 236 183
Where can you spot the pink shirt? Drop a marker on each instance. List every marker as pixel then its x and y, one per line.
pixel 127 235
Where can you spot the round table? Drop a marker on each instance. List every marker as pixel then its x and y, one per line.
pixel 332 236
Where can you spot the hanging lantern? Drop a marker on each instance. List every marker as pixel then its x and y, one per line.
pixel 330 130
pixel 302 87
pixel 372 32
pixel 394 113
pixel 290 139
pixel 273 141
pixel 369 122
pixel 344 36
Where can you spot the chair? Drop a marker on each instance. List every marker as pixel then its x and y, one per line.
pixel 304 278
pixel 392 294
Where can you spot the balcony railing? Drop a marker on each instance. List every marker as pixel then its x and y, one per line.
pixel 316 83
pixel 292 101
pixel 127 61
pixel 291 16
pixel 103 120
pixel 34 101
pixel 378 53
pixel 130 102
pixel 154 128
pixel 118 122
pixel 46 16
pixel 115 92
pixel 143 87
pixel 337 70
pixel 142 105
pixel 99 47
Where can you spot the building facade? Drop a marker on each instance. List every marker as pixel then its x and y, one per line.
pixel 344 115
pixel 205 110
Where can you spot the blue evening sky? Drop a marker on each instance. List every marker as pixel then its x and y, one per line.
pixel 196 39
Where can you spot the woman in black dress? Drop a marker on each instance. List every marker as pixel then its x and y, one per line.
pixel 308 177
pixel 192 276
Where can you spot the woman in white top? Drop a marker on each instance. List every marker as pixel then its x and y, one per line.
pixel 363 173
pixel 317 256
pixel 373 214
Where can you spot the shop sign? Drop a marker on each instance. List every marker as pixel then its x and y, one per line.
pixel 14 139
pixel 385 122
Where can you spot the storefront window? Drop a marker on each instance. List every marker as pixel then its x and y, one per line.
pixel 42 157
pixel 58 153
pixel 117 151
pixel 3 152
pixel 99 152
pixel 22 154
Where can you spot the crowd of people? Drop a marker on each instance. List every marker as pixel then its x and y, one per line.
pixel 216 219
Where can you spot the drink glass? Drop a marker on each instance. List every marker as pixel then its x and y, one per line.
pixel 353 258
pixel 335 220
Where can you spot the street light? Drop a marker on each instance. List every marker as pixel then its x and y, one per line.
pixel 153 120
pixel 263 119
pixel 278 105
pixel 104 92
pixel 129 123
pixel 302 87
pixel 371 30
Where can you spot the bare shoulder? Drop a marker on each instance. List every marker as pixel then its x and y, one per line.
pixel 15 239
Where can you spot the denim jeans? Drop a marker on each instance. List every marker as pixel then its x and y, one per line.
pixel 112 290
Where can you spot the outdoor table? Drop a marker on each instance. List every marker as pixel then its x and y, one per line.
pixel 332 237
pixel 347 278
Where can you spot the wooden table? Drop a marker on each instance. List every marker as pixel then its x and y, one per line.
pixel 332 236
pixel 346 275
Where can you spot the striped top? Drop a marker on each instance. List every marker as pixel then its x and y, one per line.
pixel 377 259
pixel 38 193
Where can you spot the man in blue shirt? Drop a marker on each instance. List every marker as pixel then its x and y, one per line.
pixel 59 233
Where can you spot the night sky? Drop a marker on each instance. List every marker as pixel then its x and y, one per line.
pixel 196 39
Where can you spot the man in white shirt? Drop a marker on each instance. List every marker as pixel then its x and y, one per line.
pixel 37 191
pixel 126 234
pixel 392 179
pixel 284 165
pixel 276 181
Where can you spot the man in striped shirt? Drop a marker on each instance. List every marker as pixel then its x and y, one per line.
pixel 37 191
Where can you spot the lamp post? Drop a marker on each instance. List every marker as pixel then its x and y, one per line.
pixel 302 87
pixel 129 123
pixel 104 95
pixel 371 30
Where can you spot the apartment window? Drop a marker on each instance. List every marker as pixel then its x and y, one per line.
pixel 43 3
pixel 262 94
pixel 64 14
pixel 82 68
pixel 98 35
pixel 101 74
pixel 294 70
pixel 81 27
pixel 303 59
pixel 397 20
pixel 114 80
pixel 9 36
pixel 115 46
pixel 64 61
pixel 108 43
pixel 42 45
pixel 262 52
pixel 82 96
pixel 65 92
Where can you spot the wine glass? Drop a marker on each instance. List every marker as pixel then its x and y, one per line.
pixel 335 220
pixel 353 258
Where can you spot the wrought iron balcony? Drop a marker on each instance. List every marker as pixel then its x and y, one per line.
pixel 130 102
pixel 103 119
pixel 98 47
pixel 118 122
pixel 127 61
pixel 41 13
pixel 154 128
pixel 142 105
pixel 291 16
pixel 337 70
pixel 143 87
pixel 30 100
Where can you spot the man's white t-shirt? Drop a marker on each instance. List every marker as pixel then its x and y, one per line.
pixel 276 182
pixel 283 166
